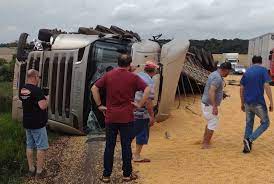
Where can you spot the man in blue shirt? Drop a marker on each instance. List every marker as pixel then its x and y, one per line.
pixel 253 83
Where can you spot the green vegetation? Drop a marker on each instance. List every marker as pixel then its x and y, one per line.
pixel 5 96
pixel 222 46
pixel 13 161
pixel 7 69
pixel 218 46
pixel 6 76
pixel 11 44
pixel 12 153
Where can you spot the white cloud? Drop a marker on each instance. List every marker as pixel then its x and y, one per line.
pixel 198 19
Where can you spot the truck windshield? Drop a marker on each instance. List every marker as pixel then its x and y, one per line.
pixel 106 52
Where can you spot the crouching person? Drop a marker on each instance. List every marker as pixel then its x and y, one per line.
pixel 35 117
pixel 144 116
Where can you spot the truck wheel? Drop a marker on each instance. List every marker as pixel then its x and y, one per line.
pixel 45 34
pixel 21 54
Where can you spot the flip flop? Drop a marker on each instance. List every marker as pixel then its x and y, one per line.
pixel 143 160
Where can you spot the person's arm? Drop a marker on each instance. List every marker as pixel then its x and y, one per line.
pixel 242 98
pixel 97 98
pixel 269 95
pixel 96 93
pixel 41 99
pixel 43 104
pixel 142 102
pixel 242 84
pixel 149 107
pixel 212 98
pixel 267 88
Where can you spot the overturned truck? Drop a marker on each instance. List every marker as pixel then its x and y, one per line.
pixel 70 63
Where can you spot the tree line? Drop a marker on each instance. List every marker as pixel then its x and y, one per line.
pixel 217 46
pixel 11 44
pixel 213 45
pixel 222 46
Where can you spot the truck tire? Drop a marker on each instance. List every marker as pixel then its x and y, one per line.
pixel 45 34
pixel 21 54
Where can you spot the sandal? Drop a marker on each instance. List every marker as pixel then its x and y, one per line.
pixel 105 179
pixel 142 160
pixel 130 178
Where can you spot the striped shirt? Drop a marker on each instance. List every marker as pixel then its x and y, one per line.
pixel 142 113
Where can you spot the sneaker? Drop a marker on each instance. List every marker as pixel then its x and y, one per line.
pixel 130 178
pixel 41 175
pixel 105 179
pixel 247 146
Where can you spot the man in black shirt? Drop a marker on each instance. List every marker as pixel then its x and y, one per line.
pixel 35 118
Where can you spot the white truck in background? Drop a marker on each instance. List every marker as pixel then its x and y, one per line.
pixel 233 58
pixel 261 46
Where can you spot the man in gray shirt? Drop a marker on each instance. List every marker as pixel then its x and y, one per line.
pixel 211 99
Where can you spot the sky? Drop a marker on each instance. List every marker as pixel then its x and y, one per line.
pixel 189 19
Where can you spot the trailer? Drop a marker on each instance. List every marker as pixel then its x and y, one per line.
pixel 261 46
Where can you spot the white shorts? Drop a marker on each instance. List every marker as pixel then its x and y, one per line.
pixel 212 120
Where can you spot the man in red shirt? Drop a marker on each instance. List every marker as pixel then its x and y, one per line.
pixel 121 86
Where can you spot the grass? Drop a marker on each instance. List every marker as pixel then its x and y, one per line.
pixel 5 96
pixel 12 153
pixel 6 88
pixel 13 161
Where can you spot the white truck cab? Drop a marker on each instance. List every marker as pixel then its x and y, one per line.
pixel 69 64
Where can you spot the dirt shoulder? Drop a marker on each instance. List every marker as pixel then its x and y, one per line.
pixel 78 160
pixel 65 163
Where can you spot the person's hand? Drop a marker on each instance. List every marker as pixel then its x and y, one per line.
pixel 271 107
pixel 215 110
pixel 137 104
pixel 243 107
pixel 103 109
pixel 151 121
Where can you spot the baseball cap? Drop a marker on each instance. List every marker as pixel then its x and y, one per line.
pixel 151 64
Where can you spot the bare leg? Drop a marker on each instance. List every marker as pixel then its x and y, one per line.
pixel 205 133
pixel 29 153
pixel 207 137
pixel 138 150
pixel 40 160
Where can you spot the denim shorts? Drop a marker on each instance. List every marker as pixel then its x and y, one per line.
pixel 37 138
pixel 141 127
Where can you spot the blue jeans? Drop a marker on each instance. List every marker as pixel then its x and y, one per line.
pixel 260 111
pixel 126 134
